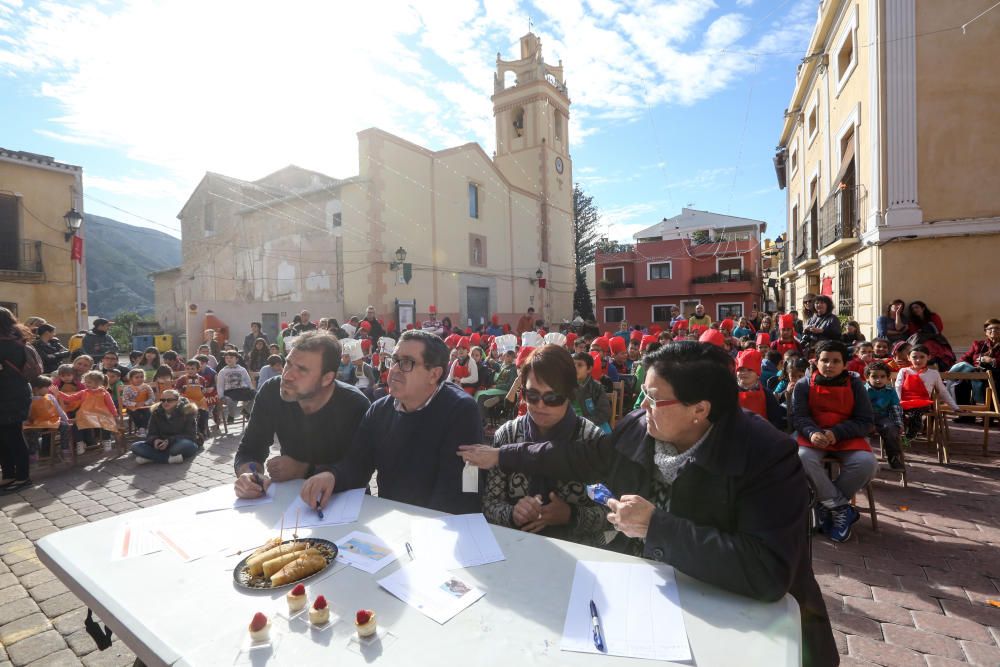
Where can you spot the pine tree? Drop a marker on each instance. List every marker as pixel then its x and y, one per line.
pixel 585 220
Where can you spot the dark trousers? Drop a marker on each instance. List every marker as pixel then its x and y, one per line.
pixel 13 452
pixel 913 419
pixel 140 417
pixel 889 430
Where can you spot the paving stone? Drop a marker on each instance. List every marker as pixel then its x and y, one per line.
pixel 870 577
pixel 37 577
pixel 881 653
pixel 23 627
pixel 63 658
pixel 80 643
pixel 844 586
pixel 67 521
pixel 71 621
pixel 893 566
pixel 850 661
pixel 924 642
pixel 16 546
pixel 117 655
pixel 11 536
pixel 941 661
pixel 981 654
pixel 48 590
pixel 97 516
pixel 60 604
pixel 39 533
pixel 922 586
pixel 880 611
pixel 980 613
pixel 32 525
pixel 11 593
pixel 26 566
pixel 7 579
pixel 951 626
pixel 35 647
pixel 852 624
pixel 906 599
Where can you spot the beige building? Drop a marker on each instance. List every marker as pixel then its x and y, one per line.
pixel 37 274
pixel 890 153
pixel 475 229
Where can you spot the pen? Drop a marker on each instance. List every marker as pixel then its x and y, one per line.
pixel 409 550
pixel 256 477
pixel 595 624
pixel 318 510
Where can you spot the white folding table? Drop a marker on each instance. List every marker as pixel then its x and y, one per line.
pixel 174 613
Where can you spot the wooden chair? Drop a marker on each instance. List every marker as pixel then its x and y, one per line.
pixel 619 407
pixel 990 409
pixel 884 457
pixel 831 465
pixel 614 409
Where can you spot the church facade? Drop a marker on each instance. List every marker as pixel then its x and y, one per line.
pixel 476 229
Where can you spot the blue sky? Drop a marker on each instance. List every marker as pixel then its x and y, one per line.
pixel 675 103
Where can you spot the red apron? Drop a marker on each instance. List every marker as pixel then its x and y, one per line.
pixel 43 413
pixel 782 347
pixel 459 373
pixel 914 394
pixel 829 406
pixel 754 400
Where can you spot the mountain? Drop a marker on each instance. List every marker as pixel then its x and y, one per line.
pixel 120 258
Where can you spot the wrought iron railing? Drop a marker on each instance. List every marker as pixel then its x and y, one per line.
pixel 730 276
pixel 24 257
pixel 841 216
pixel 805 240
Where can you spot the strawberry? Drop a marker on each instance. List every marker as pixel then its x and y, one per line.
pixel 363 616
pixel 320 603
pixel 258 622
pixel 299 590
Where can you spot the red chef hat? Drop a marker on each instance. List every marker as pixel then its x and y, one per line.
pixel 726 324
pixel 713 336
pixel 655 330
pixel 366 325
pixel 749 359
pixel 635 335
pixel 451 341
pixel 647 341
pixel 495 319
pixel 375 360
pixel 683 324
pixel 366 345
pixel 506 328
pixel 603 343
pixel 475 339
pixel 391 326
pixel 571 339
pixel 463 343
pixel 522 356
pixel 284 325
pixel 786 322
pixel 617 345
pixel 597 371
pixel 468 331
pixel 763 338
pixel 432 309
pixel 409 326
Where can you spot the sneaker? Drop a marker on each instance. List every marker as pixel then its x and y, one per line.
pixel 142 459
pixel 821 518
pixel 176 458
pixel 108 445
pixel 896 462
pixel 81 447
pixel 490 402
pixel 841 520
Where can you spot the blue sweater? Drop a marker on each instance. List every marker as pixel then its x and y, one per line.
pixel 414 452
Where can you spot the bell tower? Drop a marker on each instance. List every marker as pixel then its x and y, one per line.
pixel 531 109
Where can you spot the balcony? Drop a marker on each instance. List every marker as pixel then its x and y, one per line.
pixel 805 243
pixel 840 219
pixel 22 262
pixel 611 288
pixel 785 269
pixel 724 282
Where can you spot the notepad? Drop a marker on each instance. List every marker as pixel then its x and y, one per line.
pixel 432 591
pixel 224 498
pixel 135 538
pixel 342 508
pixel 639 609
pixel 452 542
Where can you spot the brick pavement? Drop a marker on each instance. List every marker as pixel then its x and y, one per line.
pixel 913 593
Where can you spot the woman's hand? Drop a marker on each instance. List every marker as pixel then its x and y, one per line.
pixel 556 513
pixel 631 515
pixel 527 509
pixel 483 457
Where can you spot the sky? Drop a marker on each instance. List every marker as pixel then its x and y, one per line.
pixel 674 103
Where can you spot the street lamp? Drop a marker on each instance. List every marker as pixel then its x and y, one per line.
pixel 538 274
pixel 400 258
pixel 73 222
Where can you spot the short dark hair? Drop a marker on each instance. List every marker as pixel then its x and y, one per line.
pixel 256 324
pixel 986 325
pixel 44 328
pixel 323 342
pixel 831 346
pixel 585 358
pixel 698 372
pixel 876 366
pixel 553 365
pixel 774 357
pixel 531 310
pixel 196 362
pixel 40 381
pixel 863 343
pixel 920 348
pixel 825 299
pixel 275 359
pixel 435 352
pixel 136 371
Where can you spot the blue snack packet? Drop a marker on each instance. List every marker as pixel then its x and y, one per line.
pixel 599 493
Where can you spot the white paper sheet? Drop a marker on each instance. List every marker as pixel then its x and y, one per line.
pixel 135 538
pixel 639 609
pixel 342 508
pixel 223 498
pixel 364 551
pixel 434 592
pixel 191 540
pixel 452 542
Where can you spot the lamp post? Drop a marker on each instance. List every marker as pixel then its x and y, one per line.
pixel 400 258
pixel 74 221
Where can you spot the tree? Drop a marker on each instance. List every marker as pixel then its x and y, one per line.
pixel 585 220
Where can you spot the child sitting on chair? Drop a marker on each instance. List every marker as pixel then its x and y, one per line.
pixel 753 395
pixel 46 414
pixel 832 416
pixel 95 411
pixel 137 399
pixel 914 386
pixel 888 413
pixel 591 401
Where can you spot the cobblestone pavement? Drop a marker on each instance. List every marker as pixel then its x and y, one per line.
pixel 913 593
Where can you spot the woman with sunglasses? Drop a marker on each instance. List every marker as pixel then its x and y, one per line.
pixel 702 485
pixel 172 430
pixel 537 503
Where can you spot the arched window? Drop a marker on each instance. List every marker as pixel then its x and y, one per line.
pixel 518 116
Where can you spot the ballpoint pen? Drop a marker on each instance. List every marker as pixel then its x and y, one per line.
pixel 409 550
pixel 256 478
pixel 319 510
pixel 595 624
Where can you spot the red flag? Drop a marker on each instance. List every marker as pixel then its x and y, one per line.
pixel 76 253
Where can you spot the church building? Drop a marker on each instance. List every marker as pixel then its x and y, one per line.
pixel 454 230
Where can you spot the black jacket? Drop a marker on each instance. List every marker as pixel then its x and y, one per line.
pixel 15 392
pixel 737 514
pixel 181 423
pixel 96 343
pixel 52 354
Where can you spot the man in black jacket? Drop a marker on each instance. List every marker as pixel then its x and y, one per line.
pixel 703 486
pixel 49 348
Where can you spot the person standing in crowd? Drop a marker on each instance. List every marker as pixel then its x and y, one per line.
pixel 893 325
pixel 257 358
pixel 700 318
pixel 251 338
pixel 526 322
pixel 809 306
pixel 590 400
pixel 701 485
pixel 273 368
pixel 304 324
pixel 823 323
pixel 887 411
pixel 377 330
pixel 210 341
pixel 49 348
pixel 432 324
pixel 98 340
pixel 19 365
pixel 109 361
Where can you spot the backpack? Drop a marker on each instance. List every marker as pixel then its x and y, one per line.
pixel 32 366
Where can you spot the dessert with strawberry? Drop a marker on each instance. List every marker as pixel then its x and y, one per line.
pixel 297 599
pixel 319 613
pixel 260 628
pixel 364 620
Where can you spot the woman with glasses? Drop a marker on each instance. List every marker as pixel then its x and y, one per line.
pixel 700 484
pixel 172 431
pixel 537 503
pixel 983 355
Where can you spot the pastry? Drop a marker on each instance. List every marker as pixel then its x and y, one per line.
pixel 275 564
pixel 260 628
pixel 256 562
pixel 300 568
pixel 297 599
pixel 364 620
pixel 319 613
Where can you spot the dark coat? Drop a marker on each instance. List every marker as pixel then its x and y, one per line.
pixel 737 514
pixel 52 354
pixel 96 343
pixel 15 392
pixel 181 423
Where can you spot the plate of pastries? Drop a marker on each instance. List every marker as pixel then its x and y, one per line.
pixel 277 564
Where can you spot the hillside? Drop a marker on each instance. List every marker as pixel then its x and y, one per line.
pixel 120 258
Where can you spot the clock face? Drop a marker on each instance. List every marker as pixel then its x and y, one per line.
pixel 559 165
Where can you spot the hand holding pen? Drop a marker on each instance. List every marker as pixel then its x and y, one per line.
pixel 251 484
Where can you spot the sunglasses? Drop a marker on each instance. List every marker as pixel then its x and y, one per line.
pixel 549 398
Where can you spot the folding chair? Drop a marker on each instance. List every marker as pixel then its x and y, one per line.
pixel 619 388
pixel 883 457
pixel 990 409
pixel 614 409
pixel 829 462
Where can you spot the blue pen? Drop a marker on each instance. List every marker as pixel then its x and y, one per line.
pixel 256 477
pixel 318 510
pixel 595 624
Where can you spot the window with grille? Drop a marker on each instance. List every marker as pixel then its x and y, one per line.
pixel 845 288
